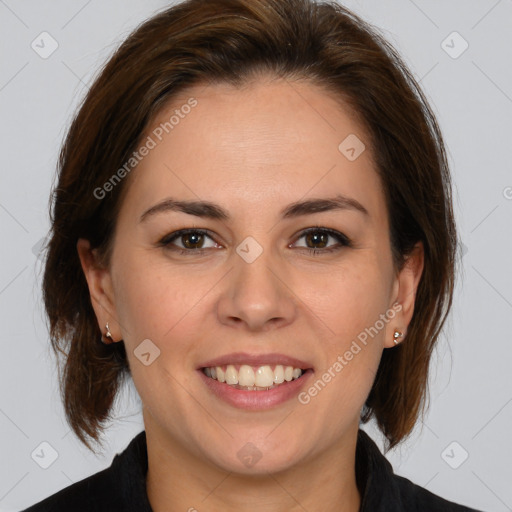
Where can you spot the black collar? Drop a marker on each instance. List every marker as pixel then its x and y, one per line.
pixel 122 486
pixel 380 488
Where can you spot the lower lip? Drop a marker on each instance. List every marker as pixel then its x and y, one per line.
pixel 256 400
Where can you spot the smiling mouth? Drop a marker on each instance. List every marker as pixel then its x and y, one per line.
pixel 253 378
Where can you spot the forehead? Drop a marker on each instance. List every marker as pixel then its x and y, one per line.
pixel 269 141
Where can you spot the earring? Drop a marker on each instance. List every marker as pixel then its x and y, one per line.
pixel 397 334
pixel 107 337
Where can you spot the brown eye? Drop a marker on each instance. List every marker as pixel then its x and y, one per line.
pixel 191 240
pixel 317 240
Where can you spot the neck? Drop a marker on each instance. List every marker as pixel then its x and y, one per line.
pixel 178 480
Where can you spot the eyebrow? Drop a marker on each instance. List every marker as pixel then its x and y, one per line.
pixel 209 210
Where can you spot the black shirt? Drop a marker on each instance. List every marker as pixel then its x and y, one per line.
pixel 122 486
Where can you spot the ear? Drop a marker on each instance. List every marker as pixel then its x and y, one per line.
pixel 101 291
pixel 404 293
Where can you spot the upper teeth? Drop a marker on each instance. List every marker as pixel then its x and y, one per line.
pixel 263 376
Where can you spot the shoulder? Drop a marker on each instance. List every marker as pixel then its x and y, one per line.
pixel 91 493
pixel 120 487
pixel 417 498
pixel 384 491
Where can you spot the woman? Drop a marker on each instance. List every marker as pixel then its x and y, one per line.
pixel 253 220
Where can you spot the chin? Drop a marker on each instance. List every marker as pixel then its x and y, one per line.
pixel 256 458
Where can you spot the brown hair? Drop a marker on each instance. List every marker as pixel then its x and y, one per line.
pixel 229 41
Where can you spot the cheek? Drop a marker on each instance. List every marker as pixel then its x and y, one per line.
pixel 348 299
pixel 150 298
pixel 153 303
pixel 164 302
pixel 351 307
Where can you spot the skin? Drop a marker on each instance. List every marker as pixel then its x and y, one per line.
pixel 252 150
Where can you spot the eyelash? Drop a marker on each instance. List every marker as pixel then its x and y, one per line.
pixel 340 237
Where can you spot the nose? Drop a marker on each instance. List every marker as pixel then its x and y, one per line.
pixel 257 296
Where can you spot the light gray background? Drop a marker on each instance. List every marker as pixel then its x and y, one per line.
pixel 471 387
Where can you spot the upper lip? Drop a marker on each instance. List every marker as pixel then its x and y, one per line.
pixel 256 360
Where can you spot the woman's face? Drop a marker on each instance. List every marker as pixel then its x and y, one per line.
pixel 246 290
